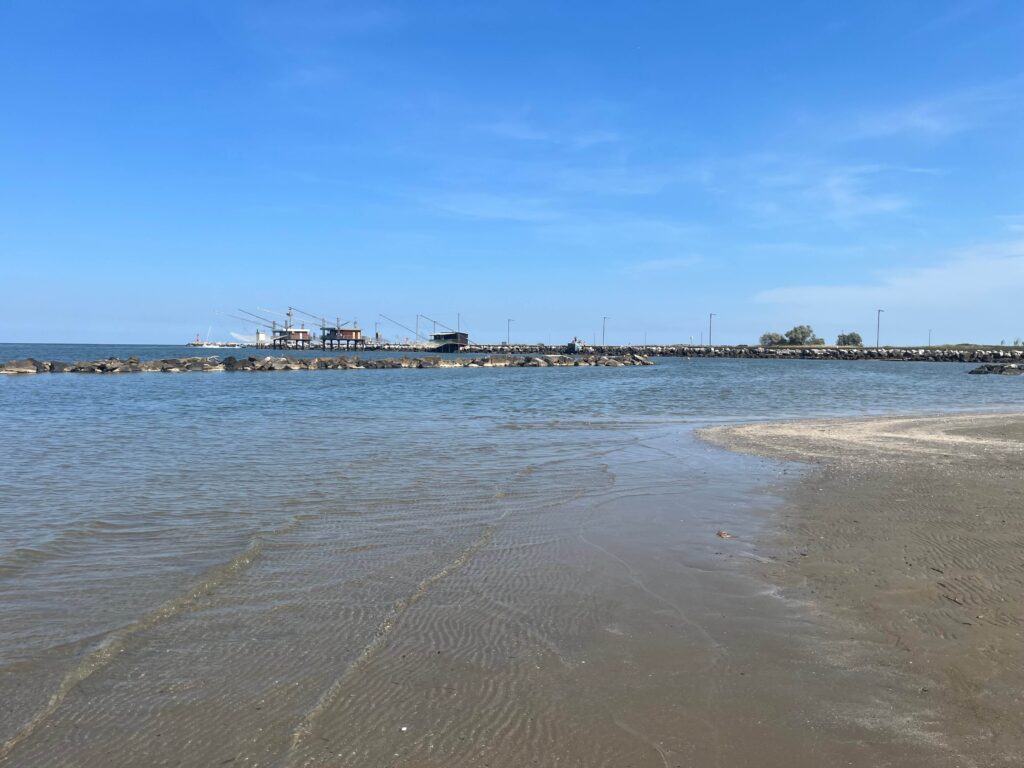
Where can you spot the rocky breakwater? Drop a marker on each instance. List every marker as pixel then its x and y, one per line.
pixel 974 355
pixel 906 354
pixel 199 364
pixel 1000 369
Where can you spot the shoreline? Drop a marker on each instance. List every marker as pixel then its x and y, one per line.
pixel 907 530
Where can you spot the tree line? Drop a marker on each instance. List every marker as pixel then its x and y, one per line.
pixel 803 336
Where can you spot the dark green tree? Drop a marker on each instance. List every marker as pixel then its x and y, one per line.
pixel 771 339
pixel 800 335
pixel 851 339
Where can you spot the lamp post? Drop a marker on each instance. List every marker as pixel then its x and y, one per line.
pixel 604 322
pixel 710 315
pixel 878 328
pixel 508 332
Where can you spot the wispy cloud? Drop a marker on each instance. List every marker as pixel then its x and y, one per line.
pixel 956 14
pixel 317 19
pixel 310 76
pixel 612 179
pixel 937 117
pixel 671 264
pixel 516 131
pixel 601 230
pixel 931 119
pixel 523 130
pixel 496 207
pixel 1013 222
pixel 785 190
pixel 802 249
pixel 593 139
pixel 848 193
pixel 969 278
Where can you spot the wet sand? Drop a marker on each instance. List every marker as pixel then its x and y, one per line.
pixel 910 532
pixel 593 618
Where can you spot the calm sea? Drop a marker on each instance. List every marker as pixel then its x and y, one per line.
pixel 183 552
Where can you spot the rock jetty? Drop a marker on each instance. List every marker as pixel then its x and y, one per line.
pixel 904 354
pixel 190 364
pixel 975 355
pixel 1000 369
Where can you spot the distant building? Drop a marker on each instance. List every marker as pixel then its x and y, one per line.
pixel 292 338
pixel 450 341
pixel 336 337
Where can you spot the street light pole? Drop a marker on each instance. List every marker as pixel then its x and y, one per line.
pixel 878 328
pixel 604 321
pixel 710 315
pixel 508 332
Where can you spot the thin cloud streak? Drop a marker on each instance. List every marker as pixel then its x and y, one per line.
pixel 496 207
pixel 782 190
pixel 675 264
pixel 519 130
pixel 971 278
pixel 935 118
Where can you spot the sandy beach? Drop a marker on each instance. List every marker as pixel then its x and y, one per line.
pixel 910 531
pixel 535 385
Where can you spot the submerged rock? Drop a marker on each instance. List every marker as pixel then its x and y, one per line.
pixel 1000 369
pixel 23 366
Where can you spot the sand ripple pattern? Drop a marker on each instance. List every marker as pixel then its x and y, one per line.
pixel 118 642
pixel 211 672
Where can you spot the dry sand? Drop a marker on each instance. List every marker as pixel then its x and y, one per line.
pixel 912 529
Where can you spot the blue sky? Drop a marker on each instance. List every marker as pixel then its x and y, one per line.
pixel 775 163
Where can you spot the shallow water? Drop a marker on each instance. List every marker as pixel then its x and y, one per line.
pixel 290 568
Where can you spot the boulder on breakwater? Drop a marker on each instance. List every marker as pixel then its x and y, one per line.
pixel 192 364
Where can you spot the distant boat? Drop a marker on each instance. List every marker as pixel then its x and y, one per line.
pixel 577 346
pixel 200 343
